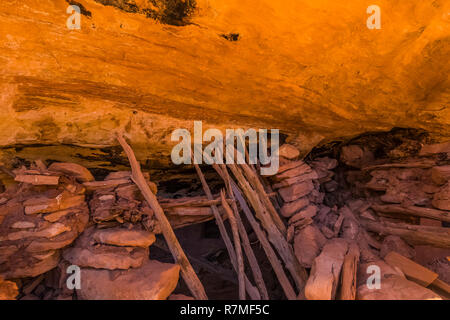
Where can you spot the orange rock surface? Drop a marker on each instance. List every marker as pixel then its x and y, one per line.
pixel 309 68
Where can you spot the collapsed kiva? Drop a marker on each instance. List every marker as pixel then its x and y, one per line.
pixel 213 152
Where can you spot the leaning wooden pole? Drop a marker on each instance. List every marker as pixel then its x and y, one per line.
pixel 415 235
pixel 348 273
pixel 275 236
pixel 270 253
pixel 251 290
pixel 429 213
pixel 187 272
pixel 252 177
pixel 253 262
pixel 237 245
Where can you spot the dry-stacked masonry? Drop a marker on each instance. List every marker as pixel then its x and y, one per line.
pixel 404 215
pixel 323 225
pixel 49 209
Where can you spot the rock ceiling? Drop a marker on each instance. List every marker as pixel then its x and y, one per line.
pixel 310 68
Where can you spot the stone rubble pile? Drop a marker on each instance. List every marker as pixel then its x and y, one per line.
pixel 338 243
pixel 117 200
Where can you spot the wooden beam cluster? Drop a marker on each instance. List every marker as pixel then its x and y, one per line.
pixel 180 257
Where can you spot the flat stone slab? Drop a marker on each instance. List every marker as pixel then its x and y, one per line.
pixel 124 237
pixel 296 191
pixel 106 257
pixel 153 281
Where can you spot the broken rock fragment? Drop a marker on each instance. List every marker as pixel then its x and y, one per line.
pixel 58 242
pixel 49 231
pixel 43 204
pixel 325 163
pixel 153 281
pixel 23 225
pixel 430 149
pixel 292 169
pixel 289 208
pixel 72 169
pixel 440 174
pixel 441 200
pixel 296 179
pixel 23 266
pixel 8 290
pixel 356 156
pixel 296 191
pixel 325 271
pixel 308 243
pixel 288 151
pixel 305 213
pixel 397 244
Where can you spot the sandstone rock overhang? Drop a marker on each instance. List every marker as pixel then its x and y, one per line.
pixel 311 69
